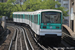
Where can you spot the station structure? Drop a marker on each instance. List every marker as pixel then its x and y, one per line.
pixel 72 15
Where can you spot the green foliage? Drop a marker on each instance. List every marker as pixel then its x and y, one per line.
pixel 32 5
pixel 7 8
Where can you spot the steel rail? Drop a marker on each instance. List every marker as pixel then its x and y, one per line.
pixel 21 43
pixel 21 31
pixel 20 39
pixel 41 46
pixel 28 39
pixel 16 33
pixel 16 39
pixel 12 39
pixel 25 39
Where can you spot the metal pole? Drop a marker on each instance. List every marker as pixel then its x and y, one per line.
pixel 69 13
pixel 74 14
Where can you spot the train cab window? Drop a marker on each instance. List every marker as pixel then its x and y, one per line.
pixel 51 17
pixel 36 19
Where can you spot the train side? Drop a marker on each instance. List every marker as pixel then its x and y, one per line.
pixel 43 22
pixel 30 19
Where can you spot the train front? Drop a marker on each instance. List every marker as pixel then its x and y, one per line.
pixel 51 24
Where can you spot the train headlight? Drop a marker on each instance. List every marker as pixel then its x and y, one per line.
pixel 44 27
pixel 57 27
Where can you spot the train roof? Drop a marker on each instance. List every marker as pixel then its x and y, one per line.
pixel 37 12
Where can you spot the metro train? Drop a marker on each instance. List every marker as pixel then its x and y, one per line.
pixel 44 22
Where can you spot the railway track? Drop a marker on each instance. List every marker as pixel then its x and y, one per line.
pixel 12 43
pixel 36 45
pixel 25 41
pixel 18 41
pixel 64 45
pixel 6 39
pixel 67 38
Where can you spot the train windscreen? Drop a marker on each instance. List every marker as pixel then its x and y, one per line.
pixel 51 17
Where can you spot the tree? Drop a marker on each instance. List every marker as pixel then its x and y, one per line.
pixel 7 8
pixel 32 5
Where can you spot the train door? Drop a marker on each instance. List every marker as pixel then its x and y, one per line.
pixel 23 18
pixel 17 18
pixel 30 20
pixel 32 24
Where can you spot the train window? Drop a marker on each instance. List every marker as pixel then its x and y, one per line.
pixel 28 17
pixel 51 17
pixel 21 16
pixel 17 16
pixel 39 19
pixel 31 18
pixel 36 19
pixel 25 16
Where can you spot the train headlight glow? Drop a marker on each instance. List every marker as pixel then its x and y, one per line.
pixel 57 27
